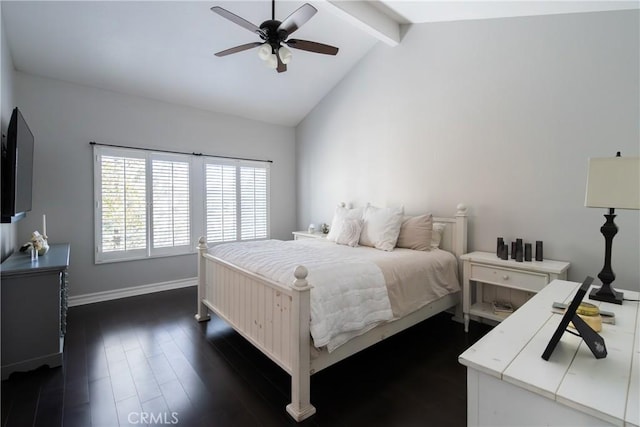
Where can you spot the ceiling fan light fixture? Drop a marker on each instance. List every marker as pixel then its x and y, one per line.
pixel 271 61
pixel 274 34
pixel 265 51
pixel 285 54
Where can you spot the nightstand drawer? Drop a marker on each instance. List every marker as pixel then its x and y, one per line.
pixel 527 280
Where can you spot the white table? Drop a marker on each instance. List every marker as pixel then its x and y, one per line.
pixel 509 384
pixel 297 235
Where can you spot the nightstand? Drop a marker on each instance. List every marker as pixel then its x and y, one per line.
pixel 297 235
pixel 487 278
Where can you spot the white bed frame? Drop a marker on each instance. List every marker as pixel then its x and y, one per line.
pixel 275 318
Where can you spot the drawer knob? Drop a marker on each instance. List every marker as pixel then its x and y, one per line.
pixel 505 277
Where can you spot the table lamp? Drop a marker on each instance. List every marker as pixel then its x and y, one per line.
pixel 612 183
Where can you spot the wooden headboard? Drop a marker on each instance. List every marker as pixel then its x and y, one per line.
pixel 454 238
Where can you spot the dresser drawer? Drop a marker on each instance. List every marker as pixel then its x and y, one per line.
pixel 526 280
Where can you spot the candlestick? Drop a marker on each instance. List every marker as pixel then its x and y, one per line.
pixel 505 252
pixel 44 225
pixel 527 251
pixel 539 250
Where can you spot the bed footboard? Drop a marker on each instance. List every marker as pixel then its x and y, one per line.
pixel 273 317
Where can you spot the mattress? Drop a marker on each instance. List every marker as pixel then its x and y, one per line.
pixel 413 278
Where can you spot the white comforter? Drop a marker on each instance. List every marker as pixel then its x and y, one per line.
pixel 348 294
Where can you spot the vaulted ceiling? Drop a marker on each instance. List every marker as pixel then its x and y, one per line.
pixel 164 50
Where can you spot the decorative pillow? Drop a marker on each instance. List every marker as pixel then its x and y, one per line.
pixel 381 227
pixel 340 215
pixel 436 236
pixel 416 232
pixel 350 232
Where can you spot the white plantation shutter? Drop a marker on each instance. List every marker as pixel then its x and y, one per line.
pixel 253 203
pixel 150 203
pixel 237 202
pixel 171 212
pixel 221 215
pixel 123 204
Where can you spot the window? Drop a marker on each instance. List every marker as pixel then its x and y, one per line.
pixel 146 202
pixel 253 203
pixel 122 205
pixel 171 213
pixel 237 201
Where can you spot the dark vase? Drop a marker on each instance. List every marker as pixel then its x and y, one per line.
pixel 527 251
pixel 504 254
pixel 539 250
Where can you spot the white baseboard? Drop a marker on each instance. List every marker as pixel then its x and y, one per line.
pixel 131 292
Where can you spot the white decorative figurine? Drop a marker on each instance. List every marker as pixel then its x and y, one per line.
pixel 38 242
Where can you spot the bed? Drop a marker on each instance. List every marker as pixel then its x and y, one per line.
pixel 274 313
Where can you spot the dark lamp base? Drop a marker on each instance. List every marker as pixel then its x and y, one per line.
pixel 606 294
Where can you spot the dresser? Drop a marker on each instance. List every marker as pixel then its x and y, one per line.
pixel 34 309
pixel 508 382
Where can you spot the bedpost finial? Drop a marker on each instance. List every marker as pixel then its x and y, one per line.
pixel 202 242
pixel 300 273
pixel 462 210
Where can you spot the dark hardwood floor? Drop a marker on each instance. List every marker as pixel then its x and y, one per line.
pixel 146 361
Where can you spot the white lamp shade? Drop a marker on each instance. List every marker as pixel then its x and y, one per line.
pixel 265 51
pixel 285 54
pixel 613 182
pixel 272 61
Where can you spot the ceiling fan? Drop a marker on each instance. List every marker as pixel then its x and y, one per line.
pixel 274 34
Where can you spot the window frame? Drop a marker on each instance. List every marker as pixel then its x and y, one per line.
pixel 197 200
pixel 267 168
pixel 237 164
pixel 171 250
pixel 114 256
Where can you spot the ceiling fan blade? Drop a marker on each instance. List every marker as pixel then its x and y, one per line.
pixel 312 46
pixel 238 49
pixel 282 67
pixel 236 19
pixel 297 18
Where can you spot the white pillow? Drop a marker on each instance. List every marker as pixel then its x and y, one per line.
pixel 381 227
pixel 350 232
pixel 341 214
pixel 436 235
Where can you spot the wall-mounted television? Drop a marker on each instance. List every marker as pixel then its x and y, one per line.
pixel 17 169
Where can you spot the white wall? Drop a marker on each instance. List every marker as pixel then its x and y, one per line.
pixel 7 231
pixel 501 114
pixel 65 117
